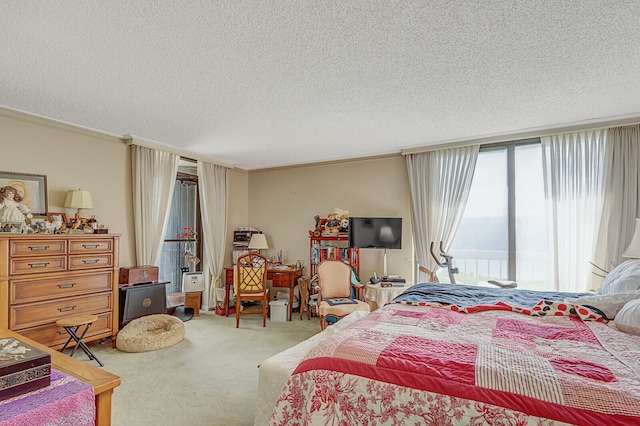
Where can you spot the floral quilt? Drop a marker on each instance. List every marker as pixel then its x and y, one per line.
pixel 406 364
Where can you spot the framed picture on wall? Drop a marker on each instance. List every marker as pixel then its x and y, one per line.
pixel 32 188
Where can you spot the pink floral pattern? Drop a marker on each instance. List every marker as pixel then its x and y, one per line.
pixel 341 399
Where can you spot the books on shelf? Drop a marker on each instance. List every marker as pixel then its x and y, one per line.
pixel 320 253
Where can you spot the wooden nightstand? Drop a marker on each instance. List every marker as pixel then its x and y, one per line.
pixel 193 299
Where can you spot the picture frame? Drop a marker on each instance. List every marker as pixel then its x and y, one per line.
pixel 51 214
pixel 39 218
pixel 14 227
pixel 33 189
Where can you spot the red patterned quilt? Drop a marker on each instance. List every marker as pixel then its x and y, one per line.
pixel 406 364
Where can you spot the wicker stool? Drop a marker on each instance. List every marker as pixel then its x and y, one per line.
pixel 72 325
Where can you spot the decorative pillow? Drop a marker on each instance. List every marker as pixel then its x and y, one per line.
pixel 608 304
pixel 624 277
pixel 628 319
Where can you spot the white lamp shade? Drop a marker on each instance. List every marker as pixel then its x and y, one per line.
pixel 633 249
pixel 78 199
pixel 258 242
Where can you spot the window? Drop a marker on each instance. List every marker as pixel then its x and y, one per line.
pixel 185 214
pixel 503 232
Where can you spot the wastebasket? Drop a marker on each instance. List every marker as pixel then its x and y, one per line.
pixel 279 310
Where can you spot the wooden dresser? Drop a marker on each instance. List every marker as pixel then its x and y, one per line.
pixel 47 277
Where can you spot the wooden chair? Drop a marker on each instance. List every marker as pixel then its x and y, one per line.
pixel 303 287
pixel 250 283
pixel 336 291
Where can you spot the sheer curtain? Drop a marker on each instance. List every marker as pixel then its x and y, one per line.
pixel 212 181
pixel 621 203
pixel 575 166
pixel 154 175
pixel 440 182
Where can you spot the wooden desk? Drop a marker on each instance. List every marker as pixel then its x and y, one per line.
pixel 279 277
pixel 102 381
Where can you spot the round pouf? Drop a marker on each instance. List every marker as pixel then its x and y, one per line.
pixel 150 333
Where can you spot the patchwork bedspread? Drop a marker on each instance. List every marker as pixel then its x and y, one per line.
pixel 406 364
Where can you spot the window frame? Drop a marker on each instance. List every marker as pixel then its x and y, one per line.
pixel 511 196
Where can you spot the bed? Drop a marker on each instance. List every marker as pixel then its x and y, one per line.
pixel 490 357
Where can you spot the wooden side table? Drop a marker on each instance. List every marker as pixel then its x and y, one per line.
pixel 193 299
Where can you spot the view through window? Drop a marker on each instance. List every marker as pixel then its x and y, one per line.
pixel 178 244
pixel 503 233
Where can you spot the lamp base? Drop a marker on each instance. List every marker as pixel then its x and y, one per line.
pixel 80 215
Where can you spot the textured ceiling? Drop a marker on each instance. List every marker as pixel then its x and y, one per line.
pixel 272 83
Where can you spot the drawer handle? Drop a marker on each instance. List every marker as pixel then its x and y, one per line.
pixel 67 308
pixel 90 246
pixel 39 265
pixel 90 261
pixel 34 248
pixel 70 285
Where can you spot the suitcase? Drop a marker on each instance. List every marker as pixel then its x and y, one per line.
pixel 138 275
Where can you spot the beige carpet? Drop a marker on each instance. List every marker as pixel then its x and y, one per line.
pixel 209 378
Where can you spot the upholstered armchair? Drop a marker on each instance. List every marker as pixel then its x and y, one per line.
pixel 336 292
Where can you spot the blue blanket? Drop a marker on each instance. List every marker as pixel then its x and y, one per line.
pixel 466 295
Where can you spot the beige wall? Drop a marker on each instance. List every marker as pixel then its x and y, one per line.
pixel 73 158
pixel 283 202
pixel 238 207
pixel 280 202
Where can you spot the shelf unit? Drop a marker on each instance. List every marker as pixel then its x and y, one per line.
pixel 332 247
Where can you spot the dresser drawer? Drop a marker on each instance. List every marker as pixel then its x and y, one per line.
pixel 90 262
pixel 280 279
pixel 90 246
pixel 38 265
pixel 34 290
pixel 22 316
pixel 37 247
pixel 52 335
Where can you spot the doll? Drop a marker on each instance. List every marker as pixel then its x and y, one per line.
pixel 11 207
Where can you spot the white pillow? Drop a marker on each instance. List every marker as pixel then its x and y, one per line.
pixel 628 319
pixel 624 277
pixel 609 304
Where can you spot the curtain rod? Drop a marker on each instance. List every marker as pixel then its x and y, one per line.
pixel 148 143
pixel 528 134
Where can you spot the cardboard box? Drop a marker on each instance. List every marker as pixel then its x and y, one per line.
pixel 23 368
pixel 138 275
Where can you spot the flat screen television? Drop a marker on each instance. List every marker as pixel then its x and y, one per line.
pixel 375 232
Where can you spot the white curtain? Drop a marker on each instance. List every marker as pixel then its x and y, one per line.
pixel 212 181
pixel 440 182
pixel 154 175
pixel 575 166
pixel 621 202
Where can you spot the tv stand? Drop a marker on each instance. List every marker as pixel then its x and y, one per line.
pixel 384 271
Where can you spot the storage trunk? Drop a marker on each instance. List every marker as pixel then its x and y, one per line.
pixel 138 275
pixel 23 368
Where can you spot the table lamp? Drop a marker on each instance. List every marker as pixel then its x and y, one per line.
pixel 258 242
pixel 633 249
pixel 78 199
